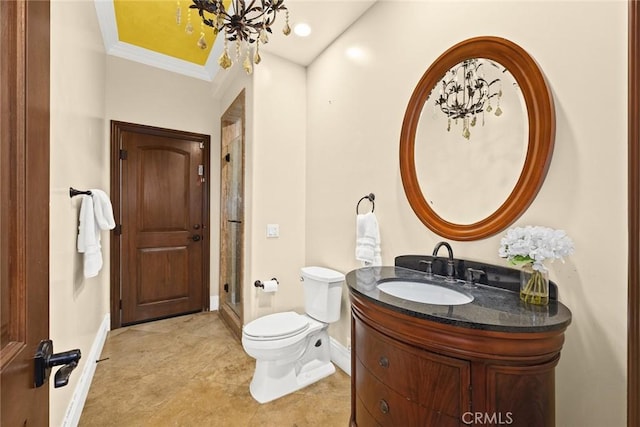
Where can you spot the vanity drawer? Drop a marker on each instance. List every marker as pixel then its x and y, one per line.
pixel 363 417
pixel 434 381
pixel 391 409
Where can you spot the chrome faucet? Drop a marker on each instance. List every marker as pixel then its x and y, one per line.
pixel 450 262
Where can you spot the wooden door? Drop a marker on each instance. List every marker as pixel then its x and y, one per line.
pixel 164 222
pixel 24 208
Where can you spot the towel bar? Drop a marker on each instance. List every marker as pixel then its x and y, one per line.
pixel 73 192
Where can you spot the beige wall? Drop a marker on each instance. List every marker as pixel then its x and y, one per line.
pixel 278 194
pixel 355 111
pixel 79 158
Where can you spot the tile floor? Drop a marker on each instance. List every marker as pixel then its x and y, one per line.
pixel 191 371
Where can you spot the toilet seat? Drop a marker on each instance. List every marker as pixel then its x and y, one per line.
pixel 276 326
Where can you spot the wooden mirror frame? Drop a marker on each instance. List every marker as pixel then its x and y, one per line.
pixel 541 119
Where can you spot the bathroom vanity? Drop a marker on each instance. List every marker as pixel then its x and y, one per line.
pixel 490 361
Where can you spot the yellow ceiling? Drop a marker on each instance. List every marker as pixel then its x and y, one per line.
pixel 151 24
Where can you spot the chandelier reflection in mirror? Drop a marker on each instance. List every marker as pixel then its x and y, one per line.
pixel 465 93
pixel 247 23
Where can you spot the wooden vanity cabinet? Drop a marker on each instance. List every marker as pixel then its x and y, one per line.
pixel 407 371
pixel 395 382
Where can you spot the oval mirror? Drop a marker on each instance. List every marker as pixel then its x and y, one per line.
pixel 467 172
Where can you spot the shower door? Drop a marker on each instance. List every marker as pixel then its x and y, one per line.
pixel 232 215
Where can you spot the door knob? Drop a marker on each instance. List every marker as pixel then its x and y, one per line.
pixel 45 360
pixel 195 238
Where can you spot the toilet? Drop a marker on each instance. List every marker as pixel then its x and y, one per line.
pixel 292 349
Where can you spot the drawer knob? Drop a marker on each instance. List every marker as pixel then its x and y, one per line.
pixel 384 406
pixel 383 361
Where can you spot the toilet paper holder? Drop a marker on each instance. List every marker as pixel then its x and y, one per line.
pixel 259 284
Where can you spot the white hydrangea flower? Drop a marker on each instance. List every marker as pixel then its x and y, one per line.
pixel 533 245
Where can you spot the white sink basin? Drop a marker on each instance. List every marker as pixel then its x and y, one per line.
pixel 424 292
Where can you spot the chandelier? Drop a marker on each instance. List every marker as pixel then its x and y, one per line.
pixel 466 93
pixel 247 23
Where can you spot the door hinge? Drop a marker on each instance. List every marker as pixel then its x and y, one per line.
pixel 227 157
pixel 226 287
pixel 118 230
pixel 120 305
pixel 201 170
pixel 123 154
pixel 202 145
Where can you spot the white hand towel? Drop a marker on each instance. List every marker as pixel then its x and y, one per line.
pixel 103 210
pixel 368 239
pixel 96 213
pixel 89 238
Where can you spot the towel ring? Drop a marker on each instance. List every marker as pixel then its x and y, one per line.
pixel 371 197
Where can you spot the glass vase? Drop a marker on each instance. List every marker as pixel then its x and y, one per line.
pixel 534 286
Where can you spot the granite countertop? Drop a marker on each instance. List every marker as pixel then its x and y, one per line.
pixel 492 308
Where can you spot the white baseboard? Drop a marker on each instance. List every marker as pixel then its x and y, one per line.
pixel 74 410
pixel 214 302
pixel 341 356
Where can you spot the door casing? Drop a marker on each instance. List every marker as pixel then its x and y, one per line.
pixel 116 252
pixel 234 118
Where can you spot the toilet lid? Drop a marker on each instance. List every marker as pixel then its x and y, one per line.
pixel 278 325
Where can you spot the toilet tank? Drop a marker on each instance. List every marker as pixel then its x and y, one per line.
pixel 322 293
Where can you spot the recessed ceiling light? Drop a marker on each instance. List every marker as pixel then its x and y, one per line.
pixel 302 29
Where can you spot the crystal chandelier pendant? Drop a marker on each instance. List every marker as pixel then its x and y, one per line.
pixel 465 128
pixel 247 64
pixel 178 13
pixel 256 56
pixel 263 37
pixel 202 42
pixel 498 109
pixel 449 124
pixel 473 121
pixel 219 24
pixel 287 29
pixel 237 50
pixel 225 61
pixel 189 27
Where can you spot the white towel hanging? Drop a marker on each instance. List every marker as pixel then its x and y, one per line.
pixel 96 214
pixel 368 240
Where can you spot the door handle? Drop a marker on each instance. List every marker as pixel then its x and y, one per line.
pixel 196 238
pixel 45 360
